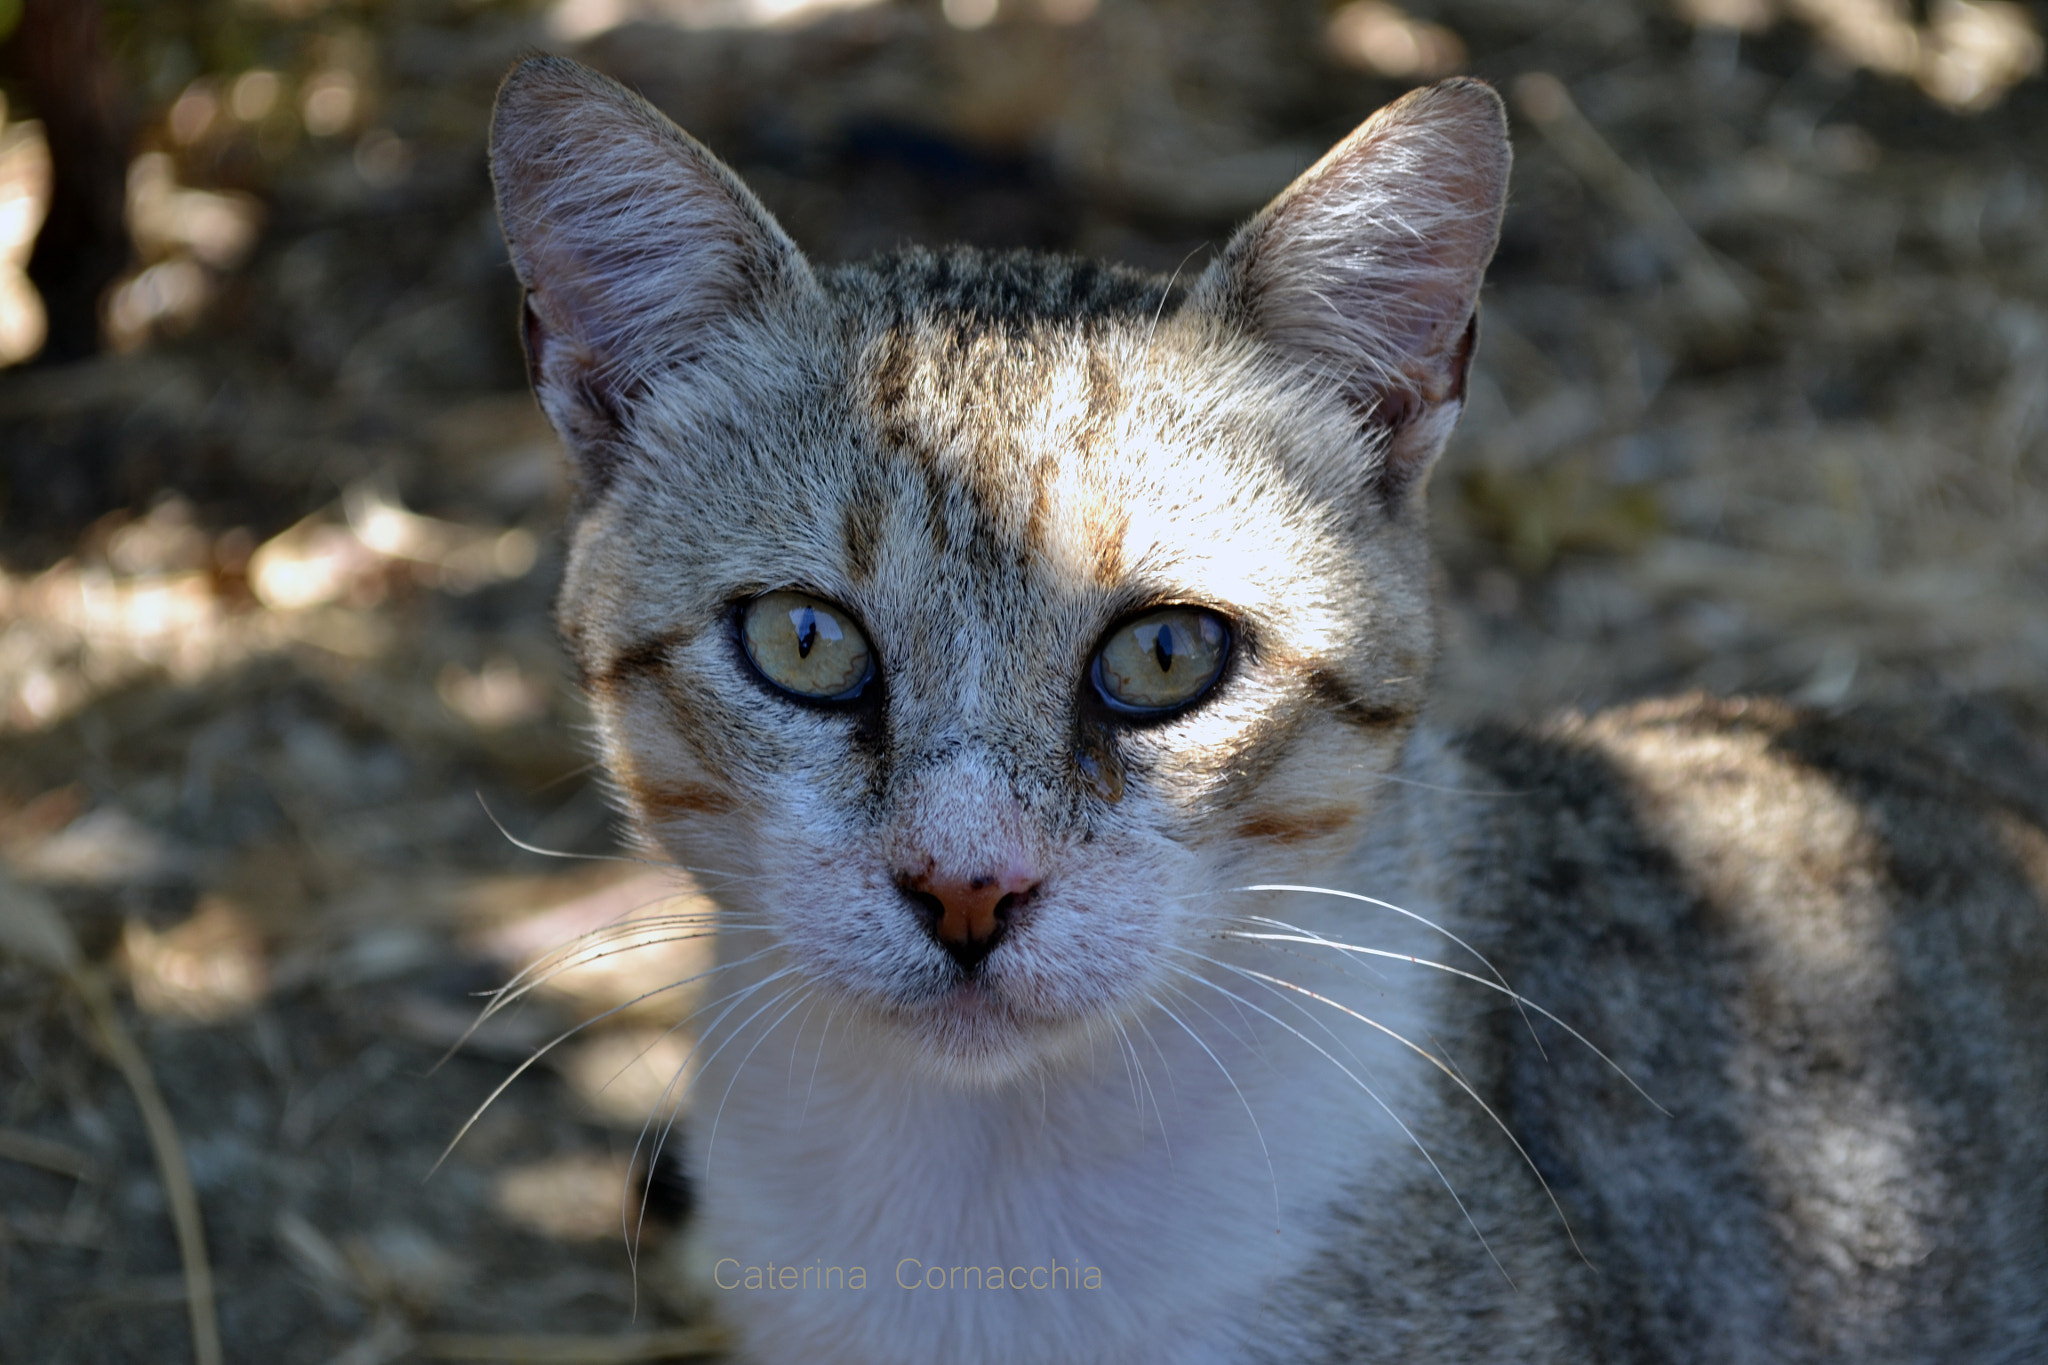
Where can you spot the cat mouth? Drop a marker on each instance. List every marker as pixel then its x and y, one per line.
pixel 976 1033
pixel 970 1004
pixel 979 1011
pixel 968 997
pixel 1007 1010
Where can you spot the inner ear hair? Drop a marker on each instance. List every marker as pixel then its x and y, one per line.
pixel 1365 272
pixel 637 248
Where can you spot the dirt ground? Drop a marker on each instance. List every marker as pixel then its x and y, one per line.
pixel 1762 403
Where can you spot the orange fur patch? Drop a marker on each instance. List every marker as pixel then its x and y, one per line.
pixel 669 803
pixel 1300 826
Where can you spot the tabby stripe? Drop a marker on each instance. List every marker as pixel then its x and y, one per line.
pixel 1298 826
pixel 642 658
pixel 1353 709
pixel 671 802
pixel 860 530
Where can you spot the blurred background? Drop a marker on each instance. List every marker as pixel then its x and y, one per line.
pixel 1762 403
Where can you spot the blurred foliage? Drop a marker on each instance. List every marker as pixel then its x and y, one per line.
pixel 1566 506
pixel 169 43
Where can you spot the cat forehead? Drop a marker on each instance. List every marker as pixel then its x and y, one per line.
pixel 1006 412
pixel 1105 454
pixel 1012 291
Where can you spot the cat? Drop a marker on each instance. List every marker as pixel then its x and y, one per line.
pixel 1030 657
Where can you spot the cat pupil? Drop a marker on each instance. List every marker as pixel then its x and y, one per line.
pixel 806 622
pixel 1162 648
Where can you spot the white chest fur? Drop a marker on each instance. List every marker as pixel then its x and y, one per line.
pixel 1141 1204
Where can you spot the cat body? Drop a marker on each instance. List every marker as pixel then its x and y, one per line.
pixel 1029 657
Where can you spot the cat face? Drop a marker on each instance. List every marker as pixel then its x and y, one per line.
pixel 978 623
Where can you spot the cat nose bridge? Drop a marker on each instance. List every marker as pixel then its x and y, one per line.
pixel 963 815
pixel 982 698
pixel 976 758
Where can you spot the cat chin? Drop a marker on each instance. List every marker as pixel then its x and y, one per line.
pixel 974 1039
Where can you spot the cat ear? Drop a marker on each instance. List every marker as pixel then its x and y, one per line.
pixel 1367 268
pixel 637 248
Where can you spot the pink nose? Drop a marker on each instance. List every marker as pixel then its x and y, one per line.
pixel 968 915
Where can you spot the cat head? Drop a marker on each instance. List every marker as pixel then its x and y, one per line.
pixel 978 622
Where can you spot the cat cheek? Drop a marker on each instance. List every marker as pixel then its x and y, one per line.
pixel 845 925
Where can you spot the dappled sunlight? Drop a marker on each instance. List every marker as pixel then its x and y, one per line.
pixel 582 20
pixel 169 601
pixel 1964 54
pixel 628 1076
pixel 211 967
pixel 1383 39
pixel 189 238
pixel 353 557
pixel 578 20
pixel 104 848
pixel 574 1197
pixel 24 198
pixel 2027 845
pixel 634 945
pixel 73 633
pixel 216 228
pixel 330 101
pixel 624 947
pixel 1793 869
pixel 499 694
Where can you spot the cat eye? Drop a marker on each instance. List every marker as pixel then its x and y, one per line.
pixel 1159 662
pixel 806 646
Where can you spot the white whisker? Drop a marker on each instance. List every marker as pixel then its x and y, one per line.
pixel 673 1107
pixel 1124 1052
pixel 1249 1040
pixel 1292 1004
pixel 1385 1108
pixel 657 863
pixel 1145 1079
pixel 1272 1174
pixel 789 1085
pixel 711 1139
pixel 1171 1085
pixel 582 953
pixel 1422 920
pixel 1456 1079
pixel 817 1060
pixel 1164 295
pixel 1310 937
pixel 1399 781
pixel 624 924
pixel 567 1034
